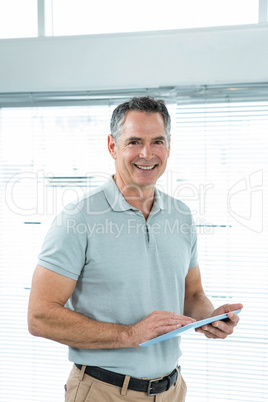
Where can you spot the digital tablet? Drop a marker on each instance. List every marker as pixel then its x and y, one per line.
pixel 187 328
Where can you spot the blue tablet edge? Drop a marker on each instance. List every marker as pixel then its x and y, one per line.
pixel 179 331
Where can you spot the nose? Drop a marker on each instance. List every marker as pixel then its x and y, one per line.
pixel 146 152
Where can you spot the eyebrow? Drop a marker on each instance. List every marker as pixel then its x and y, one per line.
pixel 132 139
pixel 159 138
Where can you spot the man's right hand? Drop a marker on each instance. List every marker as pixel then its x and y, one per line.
pixel 155 324
pixel 48 317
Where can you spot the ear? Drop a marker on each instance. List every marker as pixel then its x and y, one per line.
pixel 112 146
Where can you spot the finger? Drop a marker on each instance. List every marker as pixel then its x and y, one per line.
pixel 226 308
pixel 224 327
pixel 165 314
pixel 176 323
pixel 206 333
pixel 227 326
pixel 236 306
pixel 221 329
pixel 182 317
pixel 233 318
pixel 217 332
pixel 165 329
pixel 167 325
pixel 165 318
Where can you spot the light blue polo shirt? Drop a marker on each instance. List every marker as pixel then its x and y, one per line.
pixel 125 268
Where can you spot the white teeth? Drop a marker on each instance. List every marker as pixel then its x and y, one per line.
pixel 146 167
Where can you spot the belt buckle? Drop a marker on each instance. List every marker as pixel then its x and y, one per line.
pixel 150 384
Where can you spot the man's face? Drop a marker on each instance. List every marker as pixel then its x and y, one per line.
pixel 142 150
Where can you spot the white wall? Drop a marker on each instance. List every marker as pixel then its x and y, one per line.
pixel 186 57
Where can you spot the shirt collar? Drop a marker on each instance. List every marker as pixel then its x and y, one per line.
pixel 118 202
pixel 159 203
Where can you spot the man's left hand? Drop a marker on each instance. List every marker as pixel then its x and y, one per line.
pixel 221 329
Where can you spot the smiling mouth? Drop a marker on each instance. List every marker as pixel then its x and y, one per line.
pixel 151 167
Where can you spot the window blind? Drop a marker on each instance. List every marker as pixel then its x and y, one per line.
pixel 53 149
pixel 221 145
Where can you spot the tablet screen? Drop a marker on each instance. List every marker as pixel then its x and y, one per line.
pixel 186 328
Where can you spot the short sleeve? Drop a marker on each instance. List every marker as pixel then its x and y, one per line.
pixel 194 253
pixel 64 247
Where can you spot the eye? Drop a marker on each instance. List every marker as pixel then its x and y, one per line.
pixel 133 142
pixel 159 142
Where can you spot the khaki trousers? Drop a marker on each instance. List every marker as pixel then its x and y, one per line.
pixel 81 387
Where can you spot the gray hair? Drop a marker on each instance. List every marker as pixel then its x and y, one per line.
pixel 145 104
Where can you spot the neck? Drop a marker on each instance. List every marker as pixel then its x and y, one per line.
pixel 138 197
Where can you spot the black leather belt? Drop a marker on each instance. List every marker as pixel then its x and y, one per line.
pixel 151 387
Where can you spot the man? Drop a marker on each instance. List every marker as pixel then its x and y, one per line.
pixel 112 274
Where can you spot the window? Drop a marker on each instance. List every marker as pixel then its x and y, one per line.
pixel 40 174
pixel 18 19
pixel 218 166
pixel 226 185
pixel 32 18
pixel 104 16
